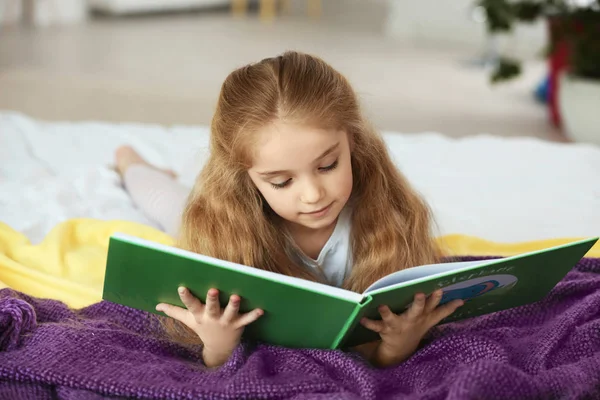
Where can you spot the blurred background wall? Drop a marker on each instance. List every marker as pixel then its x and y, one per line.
pixel 417 65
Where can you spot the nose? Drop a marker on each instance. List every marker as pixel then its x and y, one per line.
pixel 312 192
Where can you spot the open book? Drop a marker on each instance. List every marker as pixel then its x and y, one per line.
pixel 299 313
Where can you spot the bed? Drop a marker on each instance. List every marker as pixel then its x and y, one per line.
pixel 498 189
pixel 60 199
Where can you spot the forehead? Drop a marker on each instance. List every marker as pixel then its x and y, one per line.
pixel 284 146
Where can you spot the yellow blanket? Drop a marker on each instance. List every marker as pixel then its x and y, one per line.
pixel 68 265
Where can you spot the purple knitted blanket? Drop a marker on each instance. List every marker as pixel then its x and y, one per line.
pixel 547 350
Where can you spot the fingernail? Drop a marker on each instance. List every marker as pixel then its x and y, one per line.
pixel 158 308
pixel 213 292
pixel 181 290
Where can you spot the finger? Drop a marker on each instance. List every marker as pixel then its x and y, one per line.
pixel 213 308
pixel 446 310
pixel 232 309
pixel 249 318
pixel 371 324
pixel 386 314
pixel 178 313
pixel 416 309
pixel 434 300
pixel 191 302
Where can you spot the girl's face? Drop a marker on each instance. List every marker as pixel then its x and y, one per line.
pixel 304 173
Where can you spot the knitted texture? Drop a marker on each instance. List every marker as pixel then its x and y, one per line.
pixel 550 349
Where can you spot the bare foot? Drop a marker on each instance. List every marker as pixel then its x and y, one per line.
pixel 126 156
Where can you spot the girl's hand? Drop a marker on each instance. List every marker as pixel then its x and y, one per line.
pixel 401 334
pixel 220 330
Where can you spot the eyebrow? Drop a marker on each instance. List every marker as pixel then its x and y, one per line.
pixel 281 172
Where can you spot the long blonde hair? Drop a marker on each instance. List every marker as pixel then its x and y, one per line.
pixel 226 216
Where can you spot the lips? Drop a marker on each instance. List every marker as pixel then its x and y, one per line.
pixel 320 210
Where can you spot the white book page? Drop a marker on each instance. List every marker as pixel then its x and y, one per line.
pixel 419 272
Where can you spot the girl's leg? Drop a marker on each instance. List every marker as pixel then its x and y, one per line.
pixel 155 192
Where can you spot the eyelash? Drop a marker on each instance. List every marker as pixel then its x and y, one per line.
pixel 330 167
pixel 326 169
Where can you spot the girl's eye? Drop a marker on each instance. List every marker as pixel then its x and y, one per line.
pixel 330 167
pixel 281 185
pixel 327 168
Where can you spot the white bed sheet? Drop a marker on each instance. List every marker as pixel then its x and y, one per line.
pixel 501 189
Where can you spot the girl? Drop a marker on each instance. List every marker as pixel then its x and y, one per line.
pixel 297 183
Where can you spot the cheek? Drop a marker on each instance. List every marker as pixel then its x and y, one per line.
pixel 345 181
pixel 266 192
pixel 264 189
pixel 276 198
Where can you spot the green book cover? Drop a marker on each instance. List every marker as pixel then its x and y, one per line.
pixel 303 314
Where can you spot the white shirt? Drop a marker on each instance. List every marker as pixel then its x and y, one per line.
pixel 335 258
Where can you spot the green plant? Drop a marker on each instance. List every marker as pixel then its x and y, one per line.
pixel 577 26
